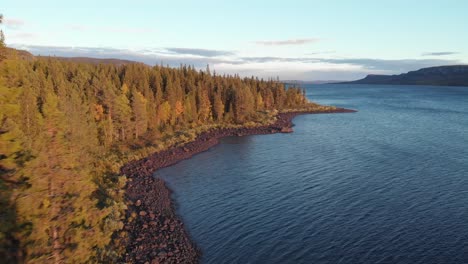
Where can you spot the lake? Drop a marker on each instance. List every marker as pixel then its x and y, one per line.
pixel 388 184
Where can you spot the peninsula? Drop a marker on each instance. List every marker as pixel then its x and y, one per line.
pixel 84 136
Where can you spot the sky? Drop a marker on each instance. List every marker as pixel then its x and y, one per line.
pixel 292 40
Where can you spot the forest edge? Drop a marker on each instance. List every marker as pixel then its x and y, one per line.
pixel 155 232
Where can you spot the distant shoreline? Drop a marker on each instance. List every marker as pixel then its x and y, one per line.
pixel 155 232
pixel 453 75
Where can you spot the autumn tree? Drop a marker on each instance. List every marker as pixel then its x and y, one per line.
pixel 65 125
pixel 164 112
pixel 140 114
pixel 218 107
pixel 122 113
pixel 203 105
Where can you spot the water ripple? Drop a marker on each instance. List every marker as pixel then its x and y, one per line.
pixel 385 185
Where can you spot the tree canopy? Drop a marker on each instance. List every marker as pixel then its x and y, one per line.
pixel 62 121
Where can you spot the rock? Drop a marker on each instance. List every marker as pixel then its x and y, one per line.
pixel 159 238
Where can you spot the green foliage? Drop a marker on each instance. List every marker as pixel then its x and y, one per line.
pixel 66 128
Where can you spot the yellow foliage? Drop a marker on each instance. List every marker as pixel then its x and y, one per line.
pixel 179 108
pixel 99 112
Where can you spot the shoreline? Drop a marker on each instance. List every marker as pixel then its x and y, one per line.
pixel 155 232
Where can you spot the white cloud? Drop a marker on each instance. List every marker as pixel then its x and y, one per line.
pixel 21 36
pixel 303 68
pixel 440 53
pixel 287 42
pixel 13 23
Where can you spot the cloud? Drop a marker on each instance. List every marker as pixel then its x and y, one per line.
pixel 441 53
pixel 200 52
pixel 394 66
pixel 23 36
pixel 275 59
pixel 308 68
pixel 148 56
pixel 287 42
pixel 301 68
pixel 13 23
pixel 321 52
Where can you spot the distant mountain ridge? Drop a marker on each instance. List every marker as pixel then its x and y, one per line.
pixel 95 60
pixel 300 82
pixel 454 75
pixel 10 53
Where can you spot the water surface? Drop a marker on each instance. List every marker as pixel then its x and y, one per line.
pixel 388 184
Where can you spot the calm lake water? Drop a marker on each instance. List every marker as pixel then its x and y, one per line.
pixel 388 184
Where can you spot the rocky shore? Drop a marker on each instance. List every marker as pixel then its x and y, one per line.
pixel 155 233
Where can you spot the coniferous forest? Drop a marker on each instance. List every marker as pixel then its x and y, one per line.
pixel 186 132
pixel 67 127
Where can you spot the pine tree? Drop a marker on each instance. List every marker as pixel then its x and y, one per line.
pixel 259 105
pixel 164 112
pixel 10 152
pixel 64 124
pixel 122 113
pixel 218 107
pixel 190 108
pixel 204 105
pixel 140 115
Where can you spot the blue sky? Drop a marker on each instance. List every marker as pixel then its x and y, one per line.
pixel 307 40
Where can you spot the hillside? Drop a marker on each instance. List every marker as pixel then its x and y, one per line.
pixel 456 75
pixel 94 60
pixel 9 53
pixel 16 54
